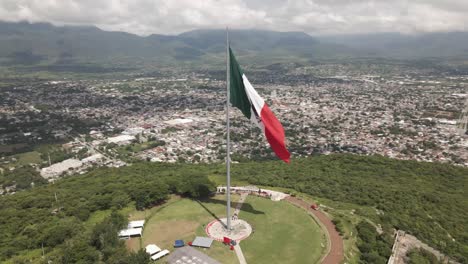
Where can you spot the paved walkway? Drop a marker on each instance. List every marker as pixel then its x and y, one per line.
pixel 240 229
pixel 336 252
pixel 242 198
pixel 240 255
pixel 237 248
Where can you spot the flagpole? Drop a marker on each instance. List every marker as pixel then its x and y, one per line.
pixel 228 139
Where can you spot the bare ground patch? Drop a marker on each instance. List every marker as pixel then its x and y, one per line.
pixel 133 244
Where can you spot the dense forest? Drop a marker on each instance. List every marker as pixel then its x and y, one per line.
pixel 375 248
pixel 421 256
pixel 428 200
pixel 54 216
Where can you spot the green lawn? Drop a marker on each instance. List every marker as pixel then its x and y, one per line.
pixel 283 233
pixel 32 157
pixel 350 215
pixel 185 219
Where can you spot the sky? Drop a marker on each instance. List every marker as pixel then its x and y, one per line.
pixel 316 17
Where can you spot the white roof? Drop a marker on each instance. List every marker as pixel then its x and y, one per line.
pixel 135 224
pixel 152 249
pixel 92 158
pixel 133 131
pixel 121 138
pixel 202 242
pixel 130 232
pixel 449 122
pixel 178 121
pixel 160 254
pixel 58 168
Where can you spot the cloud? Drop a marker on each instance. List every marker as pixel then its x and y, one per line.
pixel 312 16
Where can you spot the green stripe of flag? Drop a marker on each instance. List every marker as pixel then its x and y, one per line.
pixel 238 95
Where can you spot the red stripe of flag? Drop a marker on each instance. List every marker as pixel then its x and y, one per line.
pixel 274 133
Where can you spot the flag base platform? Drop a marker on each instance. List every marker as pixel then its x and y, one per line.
pixel 217 230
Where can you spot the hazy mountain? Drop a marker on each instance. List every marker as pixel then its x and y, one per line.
pixel 45 44
pixel 25 43
pixel 396 45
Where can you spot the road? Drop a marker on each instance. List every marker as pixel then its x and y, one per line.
pixel 109 158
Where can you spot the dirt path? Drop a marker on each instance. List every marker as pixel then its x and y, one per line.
pixel 335 254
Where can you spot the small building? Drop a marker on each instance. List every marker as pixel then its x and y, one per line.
pixel 131 232
pixel 136 224
pixel 121 139
pixel 57 169
pixel 92 159
pixel 160 254
pixel 178 121
pixel 134 228
pixel 152 249
pixel 204 242
pixel 133 131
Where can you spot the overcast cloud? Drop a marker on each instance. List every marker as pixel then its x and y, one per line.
pixel 312 16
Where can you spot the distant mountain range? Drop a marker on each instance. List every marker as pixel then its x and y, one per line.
pixel 401 46
pixel 44 44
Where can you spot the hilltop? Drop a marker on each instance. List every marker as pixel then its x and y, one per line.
pixel 424 199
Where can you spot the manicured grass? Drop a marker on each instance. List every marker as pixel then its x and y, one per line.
pixel 283 233
pixel 185 219
pixel 350 215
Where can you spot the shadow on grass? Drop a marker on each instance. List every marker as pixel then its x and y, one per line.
pixel 208 210
pixel 246 207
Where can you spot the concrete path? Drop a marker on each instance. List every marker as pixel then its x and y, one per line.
pixel 243 196
pixel 237 248
pixel 240 255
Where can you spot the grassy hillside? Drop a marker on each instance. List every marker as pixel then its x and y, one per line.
pixel 428 200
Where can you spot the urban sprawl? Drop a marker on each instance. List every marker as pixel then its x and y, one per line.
pixel 403 115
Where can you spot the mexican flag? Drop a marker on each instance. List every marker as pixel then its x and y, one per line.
pixel 244 97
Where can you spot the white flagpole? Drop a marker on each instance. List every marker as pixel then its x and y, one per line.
pixel 228 139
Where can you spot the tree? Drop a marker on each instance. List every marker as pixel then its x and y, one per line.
pixel 120 199
pixel 78 251
pixel 60 231
pixel 140 257
pixel 421 256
